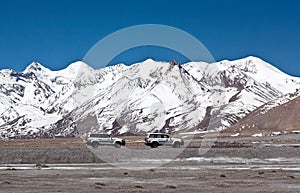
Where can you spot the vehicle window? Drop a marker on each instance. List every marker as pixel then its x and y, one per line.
pixel 100 135
pixel 153 136
pixel 166 136
pixel 104 136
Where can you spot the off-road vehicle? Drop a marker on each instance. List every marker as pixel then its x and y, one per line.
pixel 97 139
pixel 158 139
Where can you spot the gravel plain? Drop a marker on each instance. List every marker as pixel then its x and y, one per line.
pixel 232 165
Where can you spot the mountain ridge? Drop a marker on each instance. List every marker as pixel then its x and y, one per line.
pixel 140 98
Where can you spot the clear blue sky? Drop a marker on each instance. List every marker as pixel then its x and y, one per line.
pixel 56 33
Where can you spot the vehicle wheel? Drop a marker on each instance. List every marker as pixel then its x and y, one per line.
pixel 117 145
pixel 176 145
pixel 95 144
pixel 154 145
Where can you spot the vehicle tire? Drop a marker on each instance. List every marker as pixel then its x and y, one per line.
pixel 117 145
pixel 154 145
pixel 95 144
pixel 176 145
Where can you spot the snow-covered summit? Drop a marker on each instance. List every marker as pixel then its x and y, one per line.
pixel 36 67
pixel 246 72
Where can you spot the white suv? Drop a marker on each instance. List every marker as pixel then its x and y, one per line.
pixel 97 139
pixel 158 139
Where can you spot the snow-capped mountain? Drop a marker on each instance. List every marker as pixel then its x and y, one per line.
pixel 143 97
pixel 252 81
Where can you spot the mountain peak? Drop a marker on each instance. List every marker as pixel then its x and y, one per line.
pixel 148 60
pixel 174 62
pixel 260 64
pixel 79 64
pixel 79 67
pixel 35 67
pixel 253 58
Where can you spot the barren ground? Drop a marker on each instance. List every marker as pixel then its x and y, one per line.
pixel 242 164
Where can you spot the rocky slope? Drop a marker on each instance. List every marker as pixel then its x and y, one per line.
pixel 276 117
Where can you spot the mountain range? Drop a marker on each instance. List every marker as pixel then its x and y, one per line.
pixel 140 98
